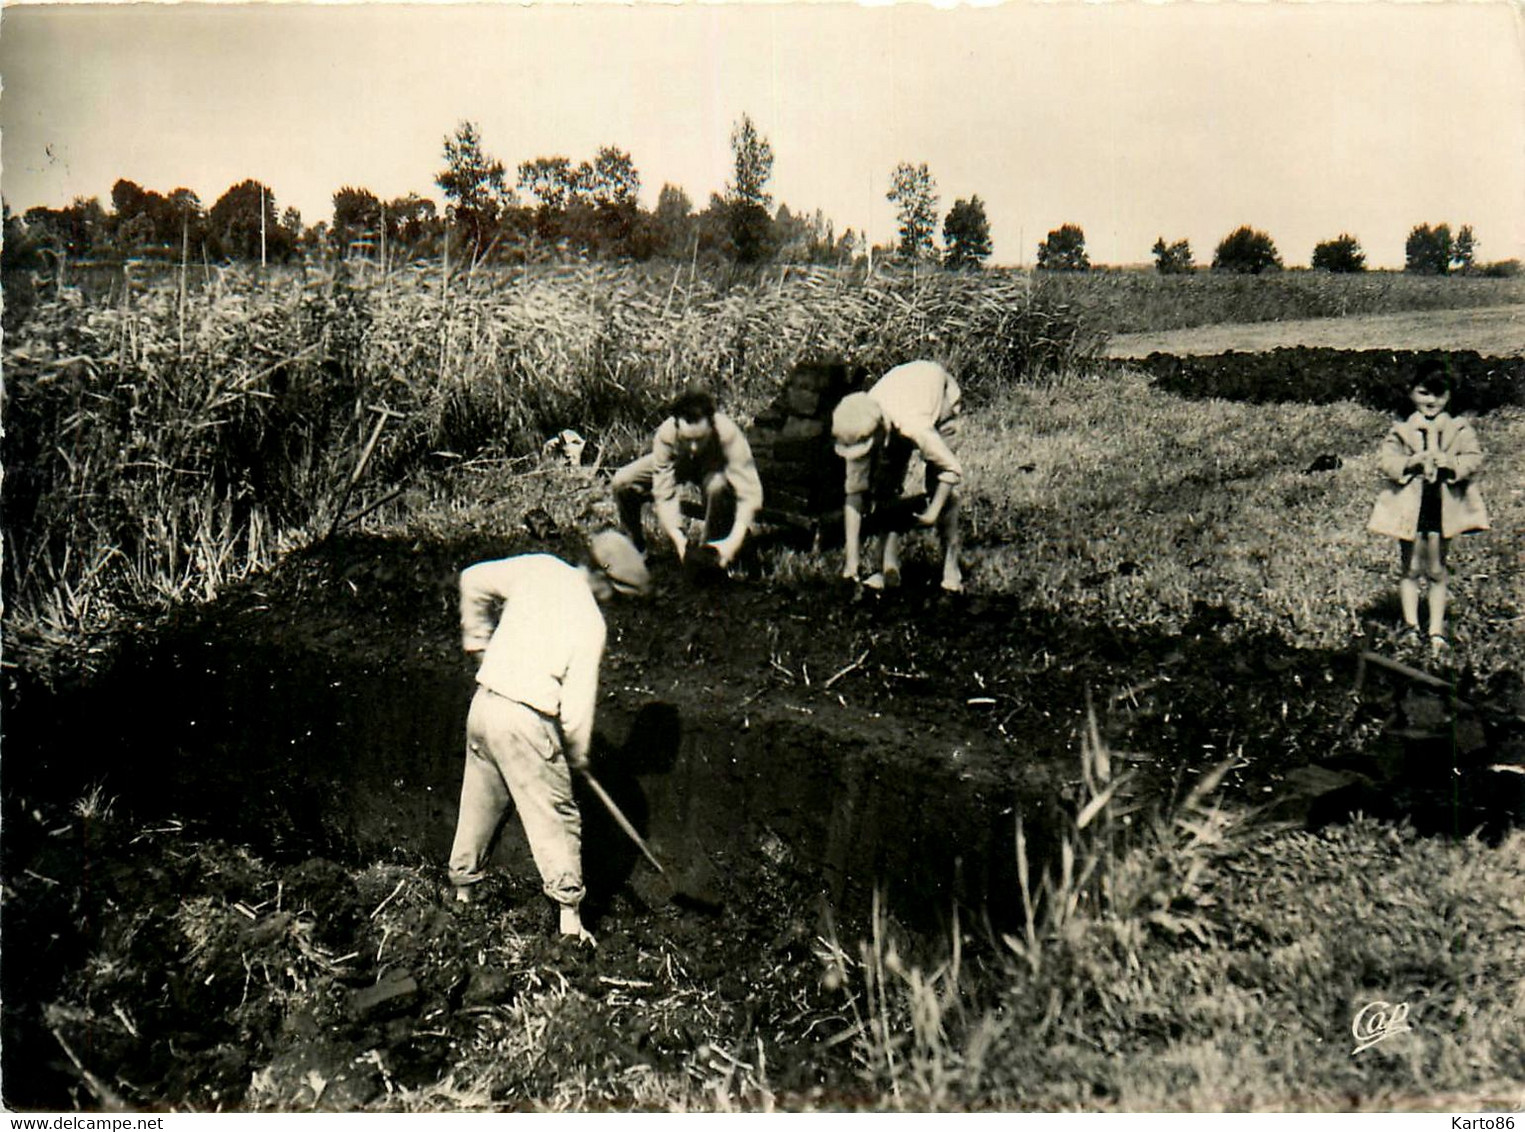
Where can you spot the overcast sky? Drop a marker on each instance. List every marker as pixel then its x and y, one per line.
pixel 1182 120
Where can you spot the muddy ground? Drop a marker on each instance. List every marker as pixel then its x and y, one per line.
pixel 275 763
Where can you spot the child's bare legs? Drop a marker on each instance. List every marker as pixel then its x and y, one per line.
pixel 892 552
pixel 1433 552
pixel 1408 582
pixel 1424 559
pixel 952 544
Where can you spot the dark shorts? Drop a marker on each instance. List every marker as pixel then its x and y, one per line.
pixel 889 475
pixel 1429 510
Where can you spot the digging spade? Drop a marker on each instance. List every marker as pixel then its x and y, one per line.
pixel 694 888
pixel 621 820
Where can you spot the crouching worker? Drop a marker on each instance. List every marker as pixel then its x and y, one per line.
pixel 913 407
pixel 533 622
pixel 697 445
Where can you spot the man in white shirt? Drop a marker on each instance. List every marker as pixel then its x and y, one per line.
pixel 534 622
pixel 913 407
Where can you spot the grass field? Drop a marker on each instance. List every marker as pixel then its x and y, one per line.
pixel 1140 301
pixel 1497 332
pixel 1213 502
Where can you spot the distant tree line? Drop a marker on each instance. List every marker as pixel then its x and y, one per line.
pixel 553 208
pixel 558 208
pixel 1248 251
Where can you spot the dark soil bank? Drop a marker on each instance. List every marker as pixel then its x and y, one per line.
pixel 786 752
pixel 1379 379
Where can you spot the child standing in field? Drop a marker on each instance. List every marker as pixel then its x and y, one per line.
pixel 1429 461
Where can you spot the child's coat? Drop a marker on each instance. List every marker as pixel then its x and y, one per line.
pixel 1461 505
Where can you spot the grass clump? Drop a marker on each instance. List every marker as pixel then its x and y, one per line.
pixel 1200 959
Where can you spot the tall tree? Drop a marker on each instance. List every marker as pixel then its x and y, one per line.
pixel 245 224
pixel 185 219
pixel 613 180
pixel 752 155
pixel 85 227
pixel 747 200
pixel 673 221
pixel 913 192
pixel 411 221
pixel 1464 250
pixel 357 217
pixel 613 188
pixel 1064 250
pixel 966 234
pixel 137 213
pixel 1427 251
pixel 550 181
pixel 473 181
pixel 1341 255
pixel 128 199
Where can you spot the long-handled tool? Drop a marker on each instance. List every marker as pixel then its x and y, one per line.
pixel 622 820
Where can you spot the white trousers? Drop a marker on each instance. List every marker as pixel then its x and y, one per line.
pixel 514 754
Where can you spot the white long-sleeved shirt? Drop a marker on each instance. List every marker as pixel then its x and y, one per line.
pixel 542 634
pixel 917 398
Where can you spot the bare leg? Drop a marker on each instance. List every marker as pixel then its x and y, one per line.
pixel 953 544
pixel 892 552
pixel 1435 567
pixel 1408 583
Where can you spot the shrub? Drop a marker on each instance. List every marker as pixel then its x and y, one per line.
pixel 1172 259
pixel 1245 251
